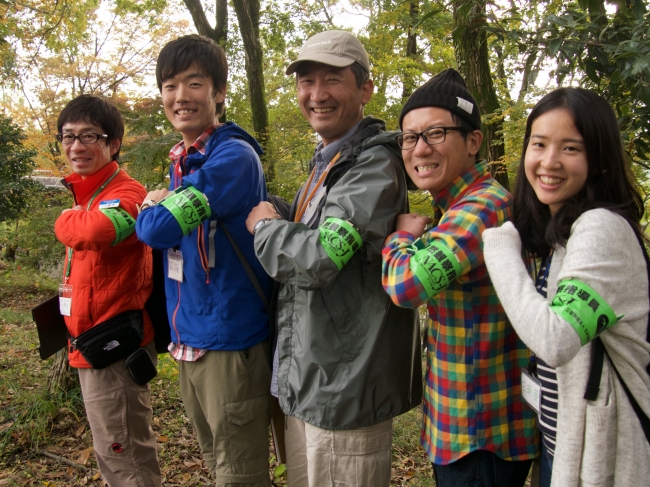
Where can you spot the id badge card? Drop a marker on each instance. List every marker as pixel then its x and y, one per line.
pixel 65 299
pixel 312 206
pixel 531 390
pixel 175 265
pixel 109 204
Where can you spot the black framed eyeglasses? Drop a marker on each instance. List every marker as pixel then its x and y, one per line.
pixel 67 138
pixel 432 136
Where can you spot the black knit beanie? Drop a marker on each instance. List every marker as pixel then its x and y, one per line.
pixel 445 90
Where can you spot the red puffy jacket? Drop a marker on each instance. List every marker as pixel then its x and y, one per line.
pixel 106 280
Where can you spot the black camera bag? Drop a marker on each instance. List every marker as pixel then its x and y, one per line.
pixel 112 340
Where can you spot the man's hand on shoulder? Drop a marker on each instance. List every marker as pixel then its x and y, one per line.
pixel 260 212
pixel 76 208
pixel 412 223
pixel 157 195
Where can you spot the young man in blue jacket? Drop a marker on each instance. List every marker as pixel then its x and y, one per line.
pixel 219 325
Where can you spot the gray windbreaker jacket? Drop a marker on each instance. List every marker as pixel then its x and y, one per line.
pixel 349 358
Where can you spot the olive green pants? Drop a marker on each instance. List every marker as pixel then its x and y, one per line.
pixel 226 397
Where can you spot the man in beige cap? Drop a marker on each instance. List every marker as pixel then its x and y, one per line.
pixel 347 360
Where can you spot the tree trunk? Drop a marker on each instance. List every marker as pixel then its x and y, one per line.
pixel 248 15
pixel 10 252
pixel 527 76
pixel 471 50
pixel 61 377
pixel 219 33
pixel 408 83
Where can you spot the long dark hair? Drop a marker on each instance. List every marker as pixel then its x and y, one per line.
pixel 610 182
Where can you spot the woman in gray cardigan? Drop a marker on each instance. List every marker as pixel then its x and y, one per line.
pixel 577 211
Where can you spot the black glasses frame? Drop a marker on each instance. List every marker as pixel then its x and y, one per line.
pixel 400 137
pixel 59 138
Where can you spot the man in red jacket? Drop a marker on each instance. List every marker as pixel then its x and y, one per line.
pixel 107 274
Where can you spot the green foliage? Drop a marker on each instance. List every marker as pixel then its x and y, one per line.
pixel 420 202
pixel 16 279
pixel 36 24
pixel 32 236
pixel 578 42
pixel 609 54
pixel 15 166
pixel 141 7
pixel 394 72
pixel 145 149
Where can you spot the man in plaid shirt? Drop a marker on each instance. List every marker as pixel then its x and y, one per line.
pixel 477 430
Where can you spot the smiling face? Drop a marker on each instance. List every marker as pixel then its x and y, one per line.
pixel 434 167
pixel 556 159
pixel 86 160
pixel 330 99
pixel 190 102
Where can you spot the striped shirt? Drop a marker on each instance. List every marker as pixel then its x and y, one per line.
pixel 323 155
pixel 472 398
pixel 178 154
pixel 547 376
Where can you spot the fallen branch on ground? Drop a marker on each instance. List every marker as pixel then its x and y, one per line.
pixel 61 459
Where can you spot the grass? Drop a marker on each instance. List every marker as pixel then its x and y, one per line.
pixel 15 317
pixel 34 423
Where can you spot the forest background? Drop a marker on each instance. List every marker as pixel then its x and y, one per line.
pixel 510 52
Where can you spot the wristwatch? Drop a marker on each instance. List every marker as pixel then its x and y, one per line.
pixel 147 204
pixel 259 224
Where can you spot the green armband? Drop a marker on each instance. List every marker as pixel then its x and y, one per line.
pixel 340 239
pixel 189 207
pixel 123 223
pixel 583 308
pixel 435 266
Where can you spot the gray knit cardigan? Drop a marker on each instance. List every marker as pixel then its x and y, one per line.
pixel 599 443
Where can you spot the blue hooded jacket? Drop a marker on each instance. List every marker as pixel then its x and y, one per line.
pixel 216 306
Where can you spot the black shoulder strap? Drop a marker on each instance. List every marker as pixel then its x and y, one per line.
pixel 643 419
pixel 247 267
pixel 647 265
pixel 596 371
pixel 593 384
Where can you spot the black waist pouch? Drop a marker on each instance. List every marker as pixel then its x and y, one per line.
pixel 112 340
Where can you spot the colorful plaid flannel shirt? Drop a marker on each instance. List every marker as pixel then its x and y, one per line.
pixel 472 397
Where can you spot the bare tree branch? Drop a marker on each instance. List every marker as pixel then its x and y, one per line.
pixel 200 20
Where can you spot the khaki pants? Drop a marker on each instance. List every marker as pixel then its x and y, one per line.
pixel 337 458
pixel 226 396
pixel 119 414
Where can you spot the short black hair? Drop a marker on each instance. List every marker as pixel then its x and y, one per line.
pixel 360 74
pixel 465 130
pixel 94 110
pixel 179 54
pixel 610 183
